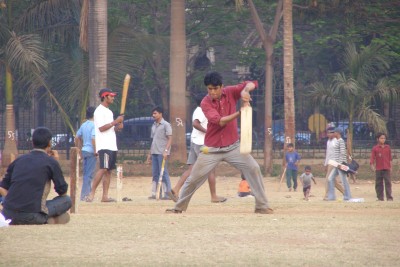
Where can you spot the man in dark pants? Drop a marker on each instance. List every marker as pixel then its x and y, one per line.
pixel 222 142
pixel 381 164
pixel 27 183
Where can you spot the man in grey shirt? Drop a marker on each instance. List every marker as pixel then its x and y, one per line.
pixel 161 133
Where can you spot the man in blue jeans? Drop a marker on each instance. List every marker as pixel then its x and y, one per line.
pixel 85 141
pixel 161 133
pixel 340 156
pixel 292 162
pixel 27 184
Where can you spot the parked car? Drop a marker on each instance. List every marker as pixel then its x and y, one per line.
pixel 62 141
pixel 361 130
pixel 302 138
pixel 136 133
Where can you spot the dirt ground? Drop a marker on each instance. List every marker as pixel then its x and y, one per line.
pixel 139 233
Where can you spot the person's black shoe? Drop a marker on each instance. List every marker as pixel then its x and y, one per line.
pixel 264 211
pixel 172 211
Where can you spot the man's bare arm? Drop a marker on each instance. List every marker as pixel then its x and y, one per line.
pixel 197 126
pixel 225 120
pixel 3 191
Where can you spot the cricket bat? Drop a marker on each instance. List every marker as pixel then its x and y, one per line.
pixel 124 93
pixel 280 182
pixel 119 181
pixel 342 167
pixel 246 129
pixel 159 184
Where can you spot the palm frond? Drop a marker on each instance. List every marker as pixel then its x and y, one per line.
pixel 366 64
pixel 5 34
pixel 386 91
pixel 322 95
pixel 25 53
pixel 71 80
pixel 129 50
pixel 345 86
pixel 56 21
pixel 373 118
pixel 83 26
pixel 34 81
pixel 239 5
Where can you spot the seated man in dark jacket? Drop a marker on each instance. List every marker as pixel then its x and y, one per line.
pixel 27 183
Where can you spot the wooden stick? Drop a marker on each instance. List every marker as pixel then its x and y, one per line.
pixel 73 160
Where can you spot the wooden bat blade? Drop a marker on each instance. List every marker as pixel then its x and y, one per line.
pixel 333 163
pixel 280 182
pixel 124 93
pixel 246 129
pixel 159 184
pixel 119 181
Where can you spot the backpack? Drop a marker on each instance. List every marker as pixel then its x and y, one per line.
pixel 353 166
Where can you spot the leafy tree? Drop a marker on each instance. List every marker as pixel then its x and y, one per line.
pixel 268 41
pixel 356 89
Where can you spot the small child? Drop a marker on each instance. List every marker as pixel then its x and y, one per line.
pixel 244 188
pixel 305 180
pixel 292 162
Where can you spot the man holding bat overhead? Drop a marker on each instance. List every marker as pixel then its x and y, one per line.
pixel 106 143
pixel 222 142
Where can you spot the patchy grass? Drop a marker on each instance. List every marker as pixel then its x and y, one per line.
pixel 139 233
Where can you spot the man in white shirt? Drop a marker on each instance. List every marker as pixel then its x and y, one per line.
pixel 199 122
pixel 330 154
pixel 106 143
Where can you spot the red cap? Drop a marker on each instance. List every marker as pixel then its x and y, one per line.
pixel 105 92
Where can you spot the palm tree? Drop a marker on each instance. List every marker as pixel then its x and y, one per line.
pixel 23 60
pixel 355 91
pixel 177 80
pixel 288 71
pixel 97 46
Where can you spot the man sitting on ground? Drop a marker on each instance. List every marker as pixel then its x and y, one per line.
pixel 27 183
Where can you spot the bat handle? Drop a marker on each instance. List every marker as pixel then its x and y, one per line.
pixel 246 104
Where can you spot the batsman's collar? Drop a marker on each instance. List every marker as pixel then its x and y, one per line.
pixel 105 92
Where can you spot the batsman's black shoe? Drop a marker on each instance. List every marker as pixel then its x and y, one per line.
pixel 172 211
pixel 264 211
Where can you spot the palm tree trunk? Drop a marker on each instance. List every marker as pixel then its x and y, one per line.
pixel 288 72
pixel 97 44
pixel 178 80
pixel 10 151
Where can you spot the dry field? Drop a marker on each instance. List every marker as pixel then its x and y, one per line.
pixel 139 233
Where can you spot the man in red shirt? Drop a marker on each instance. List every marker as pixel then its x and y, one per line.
pixel 222 142
pixel 381 164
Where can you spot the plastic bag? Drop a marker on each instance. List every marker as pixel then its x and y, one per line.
pixel 3 221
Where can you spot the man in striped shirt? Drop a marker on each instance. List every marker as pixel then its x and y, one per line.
pixel 340 156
